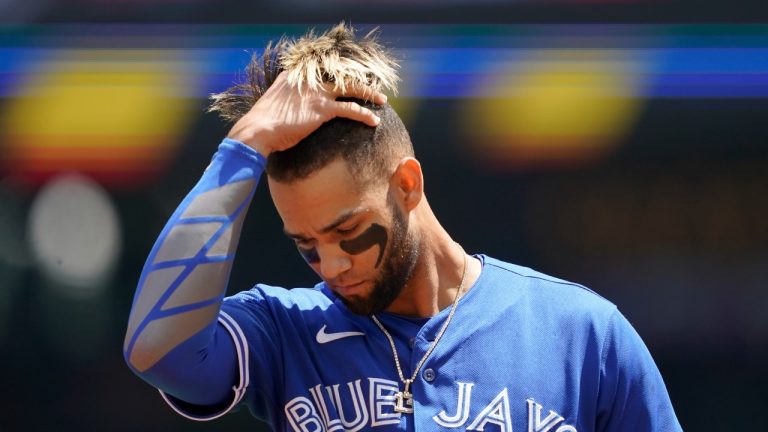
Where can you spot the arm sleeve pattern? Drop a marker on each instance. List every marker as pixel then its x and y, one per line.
pixel 632 392
pixel 177 340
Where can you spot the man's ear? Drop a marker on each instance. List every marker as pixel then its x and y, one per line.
pixel 408 183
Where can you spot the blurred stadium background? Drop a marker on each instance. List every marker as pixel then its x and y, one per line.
pixel 618 143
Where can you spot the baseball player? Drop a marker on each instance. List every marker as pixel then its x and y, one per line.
pixel 405 331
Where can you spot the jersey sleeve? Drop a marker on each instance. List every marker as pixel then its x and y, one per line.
pixel 210 376
pixel 255 336
pixel 632 392
pixel 256 330
pixel 177 339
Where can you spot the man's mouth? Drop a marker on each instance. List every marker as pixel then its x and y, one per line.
pixel 347 289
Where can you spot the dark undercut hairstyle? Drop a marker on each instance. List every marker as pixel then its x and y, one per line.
pixel 338 58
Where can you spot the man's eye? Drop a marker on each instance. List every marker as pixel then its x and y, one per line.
pixel 347 230
pixel 302 243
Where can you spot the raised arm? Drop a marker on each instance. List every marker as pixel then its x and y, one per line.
pixel 184 279
pixel 173 340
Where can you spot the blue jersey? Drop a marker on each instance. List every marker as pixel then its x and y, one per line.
pixel 524 351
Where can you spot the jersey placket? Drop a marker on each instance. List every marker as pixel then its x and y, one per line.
pixel 421 418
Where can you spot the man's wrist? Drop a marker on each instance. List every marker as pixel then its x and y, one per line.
pixel 253 142
pixel 255 138
pixel 260 148
pixel 232 146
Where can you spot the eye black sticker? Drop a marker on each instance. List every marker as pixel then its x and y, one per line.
pixel 374 235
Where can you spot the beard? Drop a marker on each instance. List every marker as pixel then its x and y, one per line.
pixel 396 269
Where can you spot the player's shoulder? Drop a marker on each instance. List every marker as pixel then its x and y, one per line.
pixel 541 289
pixel 301 298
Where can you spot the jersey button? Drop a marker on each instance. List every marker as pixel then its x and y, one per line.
pixel 412 342
pixel 429 374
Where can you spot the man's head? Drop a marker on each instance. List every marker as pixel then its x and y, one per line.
pixel 345 191
pixel 335 57
pixel 360 240
pixel 371 154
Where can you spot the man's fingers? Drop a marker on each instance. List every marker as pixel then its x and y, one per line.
pixel 367 93
pixel 355 111
pixel 363 92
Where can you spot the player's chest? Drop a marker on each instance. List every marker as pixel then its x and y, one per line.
pixel 351 382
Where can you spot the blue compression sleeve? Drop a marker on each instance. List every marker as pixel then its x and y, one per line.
pixel 173 340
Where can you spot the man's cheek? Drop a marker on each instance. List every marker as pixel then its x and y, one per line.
pixel 374 235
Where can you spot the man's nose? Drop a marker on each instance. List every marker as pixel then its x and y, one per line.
pixel 333 262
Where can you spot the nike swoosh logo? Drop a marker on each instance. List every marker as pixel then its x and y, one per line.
pixel 323 337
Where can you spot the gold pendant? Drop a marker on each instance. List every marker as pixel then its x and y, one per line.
pixel 404 402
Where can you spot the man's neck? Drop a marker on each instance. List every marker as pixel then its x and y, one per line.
pixel 437 276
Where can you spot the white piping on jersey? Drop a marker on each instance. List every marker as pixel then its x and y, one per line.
pixel 241 347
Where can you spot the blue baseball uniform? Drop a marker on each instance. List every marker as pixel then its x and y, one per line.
pixel 524 352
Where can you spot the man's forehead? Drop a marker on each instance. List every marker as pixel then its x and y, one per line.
pixel 324 200
pixel 336 166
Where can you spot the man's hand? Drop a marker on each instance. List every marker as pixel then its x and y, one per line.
pixel 282 117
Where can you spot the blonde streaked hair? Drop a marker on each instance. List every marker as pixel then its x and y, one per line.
pixel 334 57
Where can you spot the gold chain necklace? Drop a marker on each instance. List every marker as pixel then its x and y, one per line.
pixel 404 399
